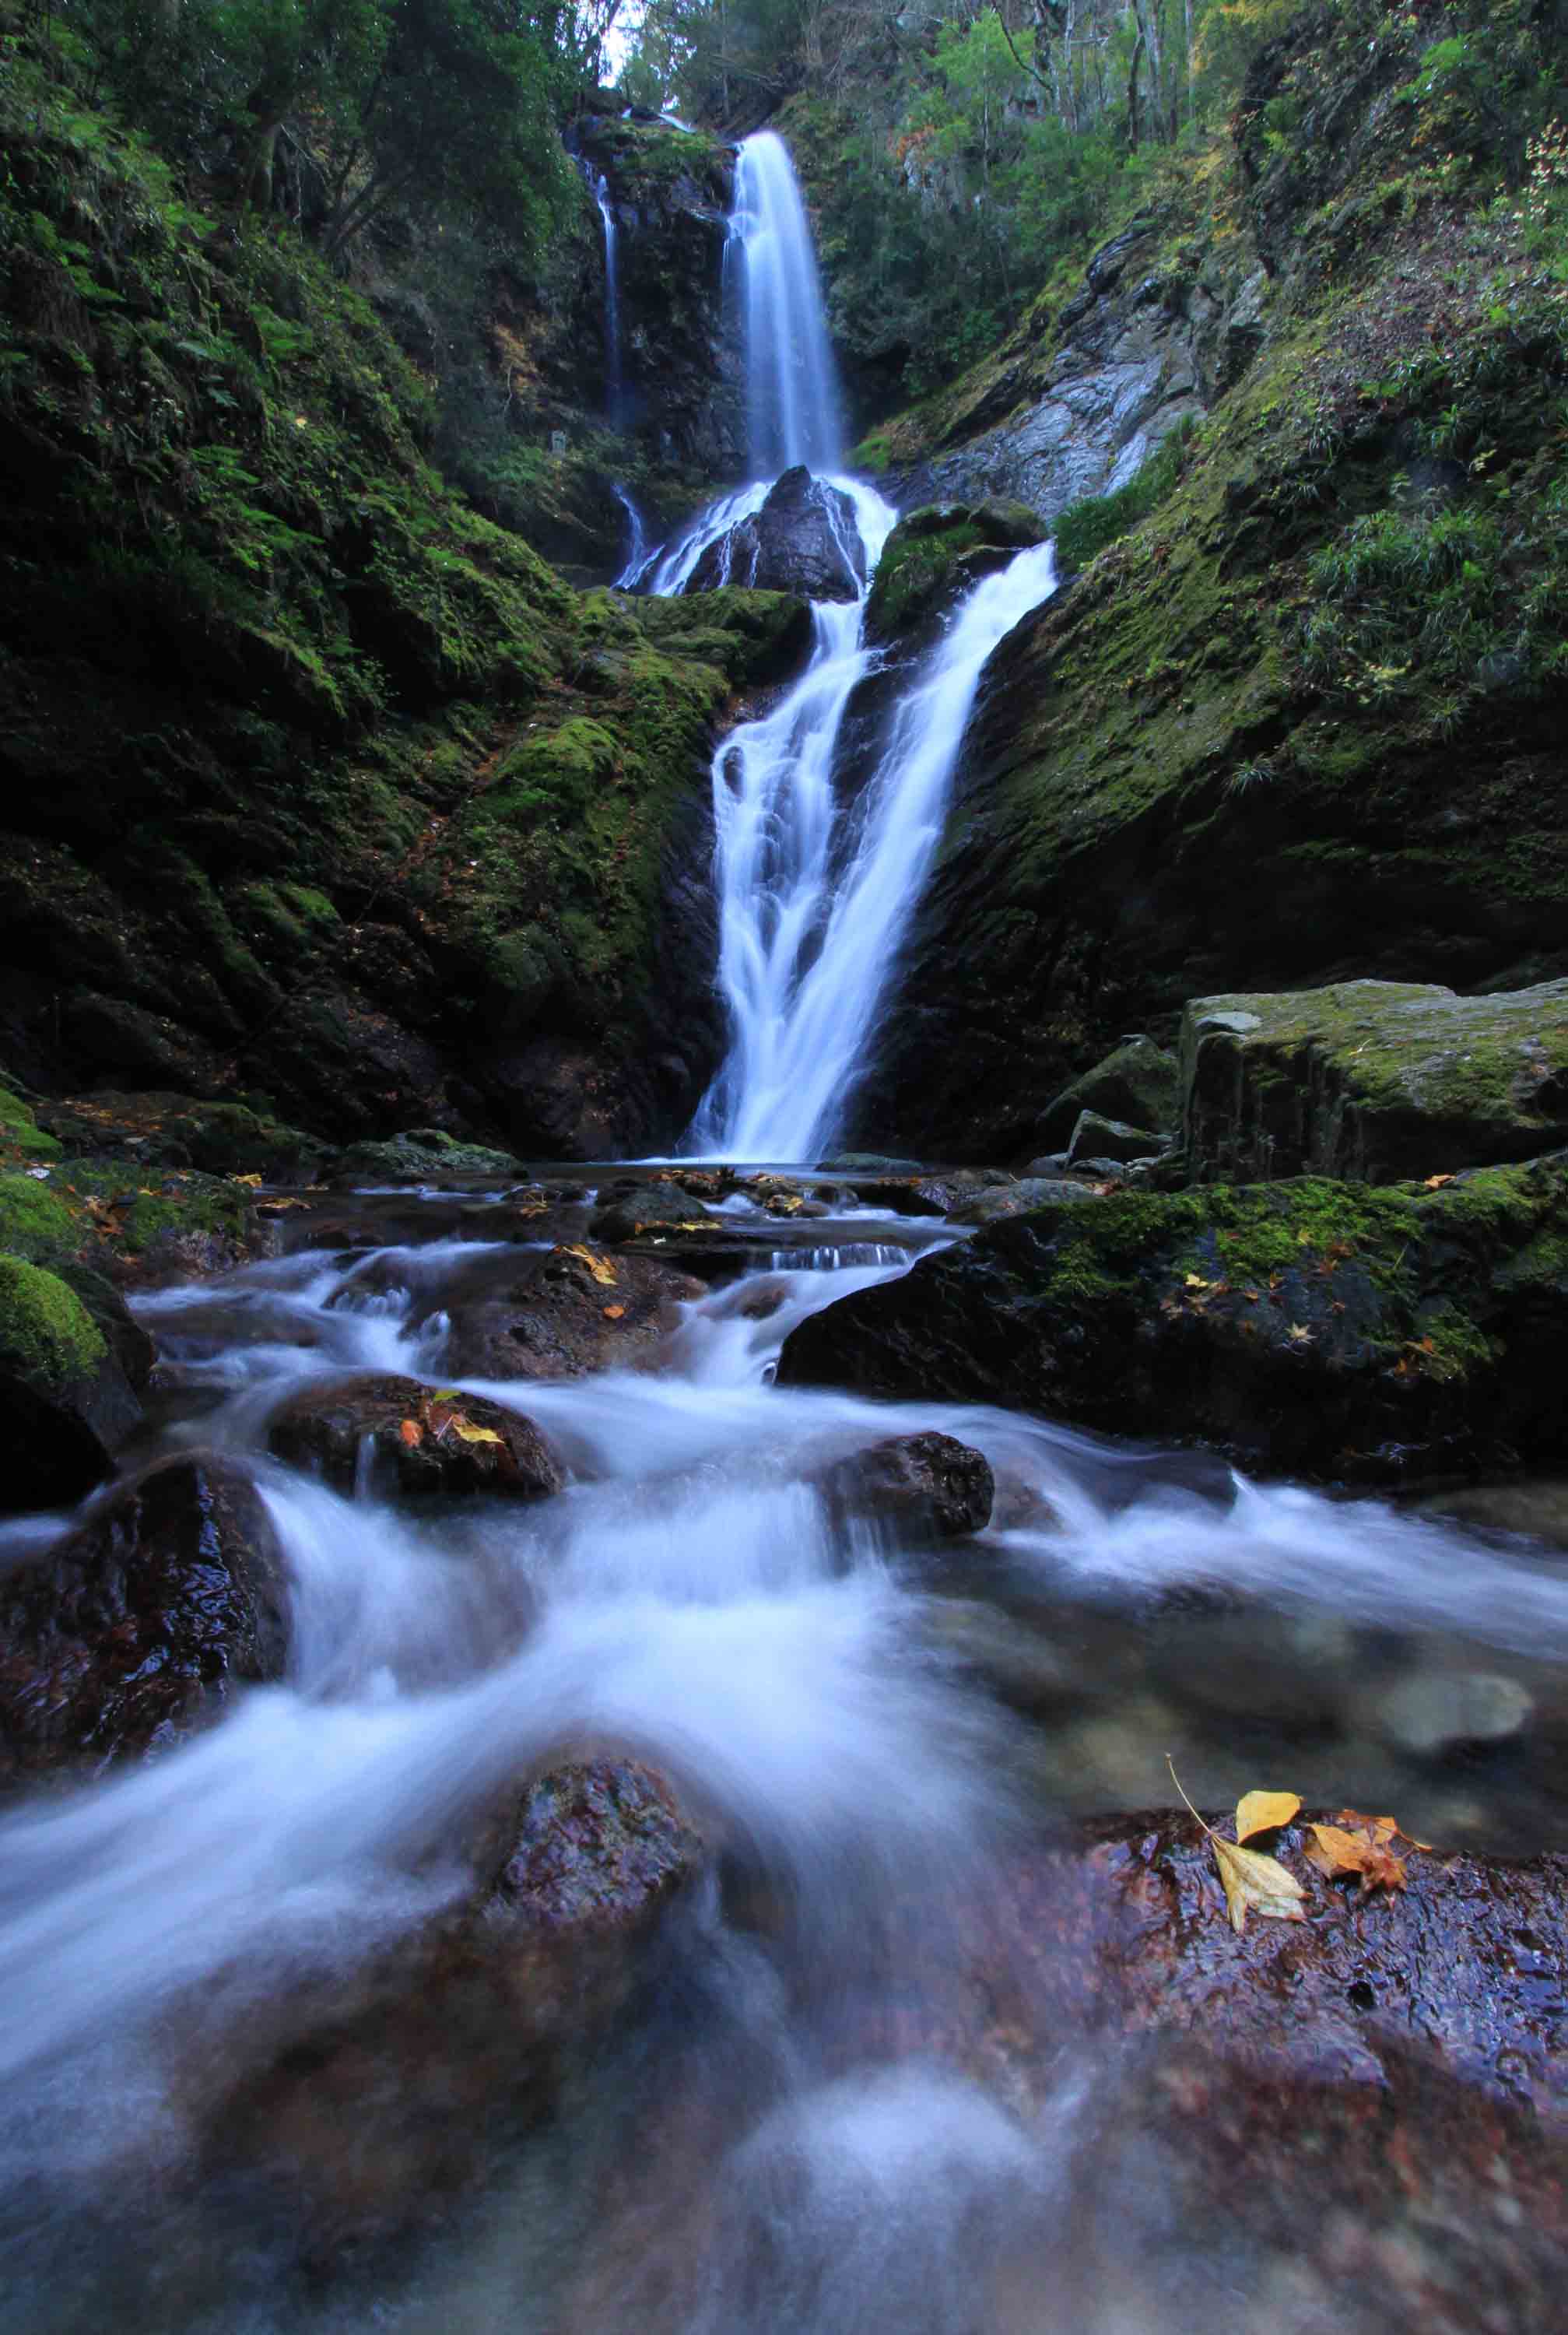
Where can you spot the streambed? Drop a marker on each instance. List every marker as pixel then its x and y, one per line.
pixel 852 2074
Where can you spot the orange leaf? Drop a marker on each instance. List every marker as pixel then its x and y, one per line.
pixel 412 1432
pixel 1436 1183
pixel 614 1312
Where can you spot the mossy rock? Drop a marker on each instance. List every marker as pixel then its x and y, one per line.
pixel 1305 1327
pixel 934 554
pixel 21 1137
pixel 1137 1081
pixel 65 1403
pixel 1372 1078
pixel 35 1220
pixel 423 1157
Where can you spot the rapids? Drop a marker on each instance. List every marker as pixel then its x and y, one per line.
pixel 862 1728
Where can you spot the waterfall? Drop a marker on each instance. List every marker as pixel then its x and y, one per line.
pixel 612 386
pixel 792 393
pixel 815 895
pixel 812 918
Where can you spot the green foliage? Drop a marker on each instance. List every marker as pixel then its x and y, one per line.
pixel 438 107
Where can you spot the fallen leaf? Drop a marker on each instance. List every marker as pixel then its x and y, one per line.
pixel 446 1394
pixel 469 1433
pixel 1436 1183
pixel 252 1180
pixel 412 1432
pixel 1380 1828
pixel 1264 1812
pixel 1299 1335
pixel 1196 1281
pixel 600 1267
pixel 614 1312
pixel 1359 1845
pixel 1254 1884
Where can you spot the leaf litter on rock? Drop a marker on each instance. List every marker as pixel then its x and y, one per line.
pixel 1352 1846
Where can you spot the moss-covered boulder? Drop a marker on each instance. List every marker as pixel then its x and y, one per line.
pixel 21 1137
pixel 934 554
pixel 1373 1080
pixel 160 1129
pixel 1304 1327
pixel 65 1402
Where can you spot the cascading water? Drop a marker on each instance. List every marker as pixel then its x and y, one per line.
pixel 811 920
pixel 793 404
pixel 814 899
pixel 612 377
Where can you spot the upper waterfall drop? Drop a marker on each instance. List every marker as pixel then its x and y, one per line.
pixel 794 411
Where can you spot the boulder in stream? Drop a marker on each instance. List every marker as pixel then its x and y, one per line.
pixel 71 1363
pixel 926 1487
pixel 564 1312
pixel 1308 1327
pixel 136 1626
pixel 428 1440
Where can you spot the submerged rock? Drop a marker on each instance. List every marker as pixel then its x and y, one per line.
pixel 1373 1079
pixel 804 539
pixel 1306 1327
pixel 429 1441
pixel 138 1625
pixel 927 1486
pixel 372 2097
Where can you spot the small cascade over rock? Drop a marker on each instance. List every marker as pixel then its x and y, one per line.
pixel 804 538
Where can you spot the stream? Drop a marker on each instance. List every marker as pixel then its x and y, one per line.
pixel 813 2120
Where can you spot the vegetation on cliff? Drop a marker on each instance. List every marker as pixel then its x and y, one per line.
pixel 319 784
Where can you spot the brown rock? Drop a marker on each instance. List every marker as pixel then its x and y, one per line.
pixel 552 1318
pixel 135 1628
pixel 464 1444
pixel 928 1486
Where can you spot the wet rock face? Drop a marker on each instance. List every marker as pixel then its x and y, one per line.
pixel 926 1488
pixel 383 2093
pixel 555 1318
pixel 138 1625
pixel 1136 350
pixel 427 1445
pixel 1303 1328
pixel 1373 1079
pixel 804 539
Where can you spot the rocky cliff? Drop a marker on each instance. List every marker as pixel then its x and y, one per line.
pixel 1301 723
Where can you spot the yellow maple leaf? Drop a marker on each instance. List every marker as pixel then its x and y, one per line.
pixel 1254 1884
pixel 466 1432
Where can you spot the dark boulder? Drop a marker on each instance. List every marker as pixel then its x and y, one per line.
pixel 367 2100
pixel 1110 1141
pixel 644 1208
pixel 1138 1082
pixel 138 1625
pixel 804 539
pixel 561 1315
pixel 428 1442
pixel 926 1487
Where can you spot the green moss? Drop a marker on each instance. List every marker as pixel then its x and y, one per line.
pixel 46 1334
pixel 34 1220
pixel 20 1132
